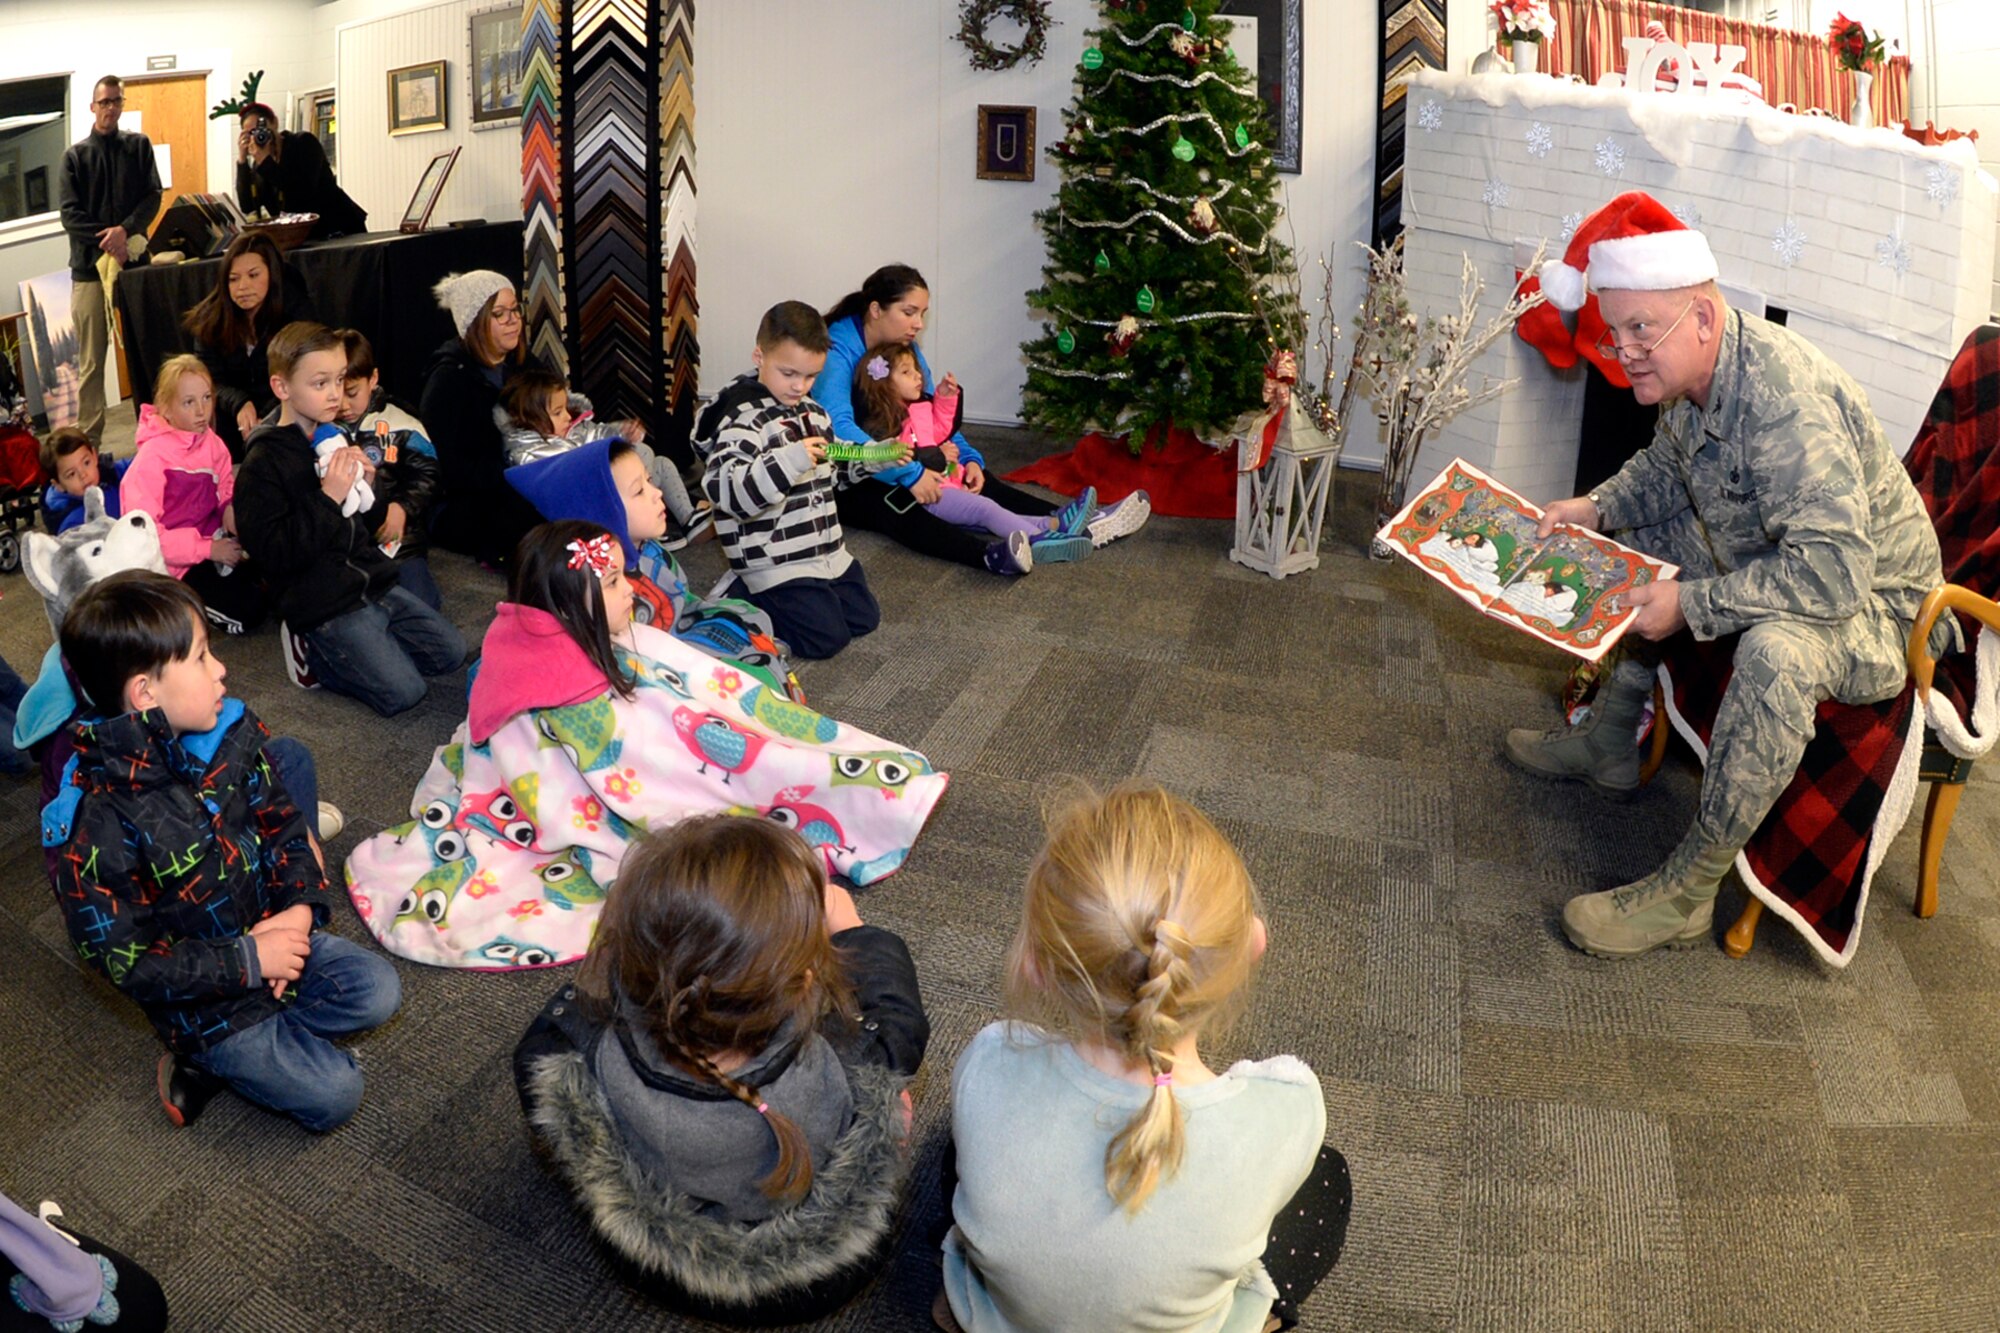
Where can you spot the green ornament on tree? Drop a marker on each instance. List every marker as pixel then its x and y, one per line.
pixel 1188 19
pixel 1093 58
pixel 1145 301
pixel 1183 149
pixel 1065 342
pixel 1102 263
pixel 1242 135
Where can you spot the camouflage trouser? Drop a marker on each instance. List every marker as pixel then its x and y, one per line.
pixel 1784 669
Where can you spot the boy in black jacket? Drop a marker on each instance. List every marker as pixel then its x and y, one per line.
pixel 187 876
pixel 362 634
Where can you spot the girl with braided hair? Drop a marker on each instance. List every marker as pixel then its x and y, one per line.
pixel 724 1083
pixel 1108 1178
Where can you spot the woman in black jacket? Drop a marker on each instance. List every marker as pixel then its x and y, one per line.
pixel 479 514
pixel 283 171
pixel 256 294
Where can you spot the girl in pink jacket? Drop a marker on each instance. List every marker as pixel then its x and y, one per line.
pixel 182 476
pixel 890 403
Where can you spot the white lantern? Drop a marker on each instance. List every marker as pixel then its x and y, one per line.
pixel 1281 506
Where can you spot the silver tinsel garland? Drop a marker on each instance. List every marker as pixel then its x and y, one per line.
pixel 1204 77
pixel 1064 373
pixel 1150 34
pixel 1174 227
pixel 1147 186
pixel 1183 119
pixel 1195 318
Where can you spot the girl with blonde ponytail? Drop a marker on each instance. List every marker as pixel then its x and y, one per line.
pixel 724 1084
pixel 1108 1178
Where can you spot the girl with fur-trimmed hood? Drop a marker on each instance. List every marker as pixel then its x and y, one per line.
pixel 723 1086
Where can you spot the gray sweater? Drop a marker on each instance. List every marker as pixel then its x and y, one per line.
pixel 1039 1244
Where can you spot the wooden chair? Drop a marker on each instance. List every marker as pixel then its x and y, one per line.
pixel 1945 771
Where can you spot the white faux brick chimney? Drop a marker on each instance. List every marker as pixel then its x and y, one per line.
pixel 1882 250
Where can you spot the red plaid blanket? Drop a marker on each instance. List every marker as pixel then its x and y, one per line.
pixel 1814 856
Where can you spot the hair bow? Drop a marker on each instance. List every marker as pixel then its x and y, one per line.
pixel 878 369
pixel 598 554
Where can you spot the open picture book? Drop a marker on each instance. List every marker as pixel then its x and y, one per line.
pixel 1477 538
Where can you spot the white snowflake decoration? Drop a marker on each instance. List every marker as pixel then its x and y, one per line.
pixel 1496 193
pixel 1892 253
pixel 1689 215
pixel 1941 184
pixel 1430 115
pixel 1611 157
pixel 1788 242
pixel 1540 139
pixel 1571 221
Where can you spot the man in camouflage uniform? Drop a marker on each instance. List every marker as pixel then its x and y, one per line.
pixel 1770 483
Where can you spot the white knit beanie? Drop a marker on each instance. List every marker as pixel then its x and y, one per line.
pixel 466 294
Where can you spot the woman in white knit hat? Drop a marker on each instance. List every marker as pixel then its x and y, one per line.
pixel 481 515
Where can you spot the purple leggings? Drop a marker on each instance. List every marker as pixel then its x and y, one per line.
pixel 959 506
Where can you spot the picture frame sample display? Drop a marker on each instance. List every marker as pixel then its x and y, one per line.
pixel 429 186
pixel 1280 70
pixel 494 72
pixel 1006 143
pixel 417 98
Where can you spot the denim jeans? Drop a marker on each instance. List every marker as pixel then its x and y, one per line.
pixel 293 763
pixel 286 1063
pixel 12 689
pixel 380 652
pixel 414 575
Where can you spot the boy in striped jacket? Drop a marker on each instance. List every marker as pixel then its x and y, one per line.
pixel 763 448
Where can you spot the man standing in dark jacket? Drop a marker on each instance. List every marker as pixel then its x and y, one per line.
pixel 109 192
pixel 281 171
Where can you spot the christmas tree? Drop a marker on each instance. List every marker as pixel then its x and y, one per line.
pixel 1160 235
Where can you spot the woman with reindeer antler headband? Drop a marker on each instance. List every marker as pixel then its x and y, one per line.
pixel 285 171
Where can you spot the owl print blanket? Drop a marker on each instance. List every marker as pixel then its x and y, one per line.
pixel 514 840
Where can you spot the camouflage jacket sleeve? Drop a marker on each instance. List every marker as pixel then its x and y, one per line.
pixel 1806 484
pixel 1647 490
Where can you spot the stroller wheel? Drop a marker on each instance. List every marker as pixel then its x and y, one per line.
pixel 10 553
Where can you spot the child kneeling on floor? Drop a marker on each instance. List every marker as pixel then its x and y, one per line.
pixel 1107 1178
pixel 187 876
pixel 763 448
pixel 738 1039
pixel 311 523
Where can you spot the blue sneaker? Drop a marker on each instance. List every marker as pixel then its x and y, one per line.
pixel 1073 519
pixel 1011 555
pixel 1056 547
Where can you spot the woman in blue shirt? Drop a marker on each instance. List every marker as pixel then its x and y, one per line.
pixel 891 307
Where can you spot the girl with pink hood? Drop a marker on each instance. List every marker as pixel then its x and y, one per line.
pixel 182 476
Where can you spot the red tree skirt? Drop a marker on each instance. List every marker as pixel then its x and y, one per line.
pixel 1185 478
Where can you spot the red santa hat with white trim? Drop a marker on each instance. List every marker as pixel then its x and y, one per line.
pixel 1632 243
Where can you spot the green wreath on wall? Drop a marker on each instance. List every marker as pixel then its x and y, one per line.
pixel 1032 15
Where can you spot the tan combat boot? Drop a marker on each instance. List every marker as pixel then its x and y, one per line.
pixel 1674 906
pixel 1603 749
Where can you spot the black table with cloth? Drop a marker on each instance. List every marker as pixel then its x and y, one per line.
pixel 378 283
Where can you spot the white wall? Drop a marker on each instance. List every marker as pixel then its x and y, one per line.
pixel 370 37
pixel 88 38
pixel 802 195
pixel 1967 88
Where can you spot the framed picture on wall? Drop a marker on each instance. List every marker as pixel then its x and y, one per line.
pixel 1006 143
pixel 495 68
pixel 315 117
pixel 1275 28
pixel 37 181
pixel 417 98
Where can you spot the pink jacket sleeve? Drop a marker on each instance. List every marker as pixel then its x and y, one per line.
pixel 225 471
pixel 145 488
pixel 930 423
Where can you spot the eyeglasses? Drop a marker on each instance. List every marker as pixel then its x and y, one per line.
pixel 1609 348
pixel 506 314
pixel 110 101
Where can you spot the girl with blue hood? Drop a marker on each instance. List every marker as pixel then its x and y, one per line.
pixel 606 482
